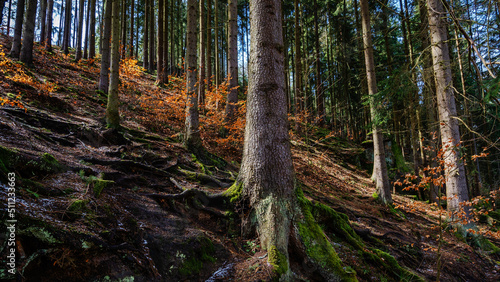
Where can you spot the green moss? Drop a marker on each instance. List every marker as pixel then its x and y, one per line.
pixel 203 253
pixel 318 248
pixel 49 164
pixel 278 261
pixel 41 234
pixel 375 195
pixel 7 157
pixel 99 185
pixel 234 192
pixel 77 206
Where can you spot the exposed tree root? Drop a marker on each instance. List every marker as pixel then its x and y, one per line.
pixel 205 178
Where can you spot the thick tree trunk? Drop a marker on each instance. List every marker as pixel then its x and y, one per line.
pixel 266 180
pixel 43 21
pixel 456 184
pixel 48 32
pixel 92 29
pixel 192 140
pixel 16 43
pixel 78 55
pixel 112 113
pixel 379 165
pixel 26 55
pixel 9 16
pixel 232 63
pixel 106 53
pixel 67 27
pixel 201 46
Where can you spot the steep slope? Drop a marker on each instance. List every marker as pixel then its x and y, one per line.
pixel 88 205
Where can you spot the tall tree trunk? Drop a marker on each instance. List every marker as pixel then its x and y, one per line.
pixel 43 20
pixel 87 30
pixel 78 55
pixel 16 43
pixel 48 32
pixel 151 46
pixel 112 113
pixel 232 63
pixel 92 29
pixel 209 44
pixel 379 165
pixel 160 73
pixel 216 54
pixel 165 43
pixel 9 16
pixel 201 46
pixel 298 70
pixel 106 52
pixel 192 140
pixel 145 49
pixel 62 13
pixel 131 44
pixel 320 100
pixel 67 27
pixel 123 36
pixel 26 55
pixel 266 181
pixel 456 184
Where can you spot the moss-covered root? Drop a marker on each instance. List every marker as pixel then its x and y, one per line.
pixel 312 241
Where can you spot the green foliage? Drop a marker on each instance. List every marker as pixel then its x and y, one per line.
pixel 203 253
pixel 49 164
pixel 41 234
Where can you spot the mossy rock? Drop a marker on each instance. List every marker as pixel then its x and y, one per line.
pixel 39 233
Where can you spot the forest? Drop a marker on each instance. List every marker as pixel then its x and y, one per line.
pixel 250 140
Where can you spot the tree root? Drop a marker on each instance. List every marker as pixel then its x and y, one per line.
pixel 204 178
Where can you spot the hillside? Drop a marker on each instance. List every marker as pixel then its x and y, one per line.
pixel 94 204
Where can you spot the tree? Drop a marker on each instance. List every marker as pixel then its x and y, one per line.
pixel 16 43
pixel 278 211
pixel 43 16
pixel 232 62
pixel 50 13
pixel 67 27
pixel 92 29
pixel 112 114
pixel 160 77
pixel 145 49
pixel 298 68
pixel 105 59
pixel 26 55
pixel 379 165
pixel 456 184
pixel 201 72
pixel 320 100
pixel 78 55
pixel 192 139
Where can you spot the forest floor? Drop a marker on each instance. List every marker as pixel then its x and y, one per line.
pixel 85 210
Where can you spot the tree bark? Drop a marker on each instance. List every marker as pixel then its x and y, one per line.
pixel 456 184
pixel 112 113
pixel 232 63
pixel 131 44
pixel 151 46
pixel 26 55
pixel 78 55
pixel 298 70
pixel 192 139
pixel 320 100
pixel 216 54
pixel 201 69
pixel 159 51
pixel 16 43
pixel 87 30
pixel 106 53
pixel 43 21
pixel 92 29
pixel 379 165
pixel 145 50
pixel 165 43
pixel 48 32
pixel 209 44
